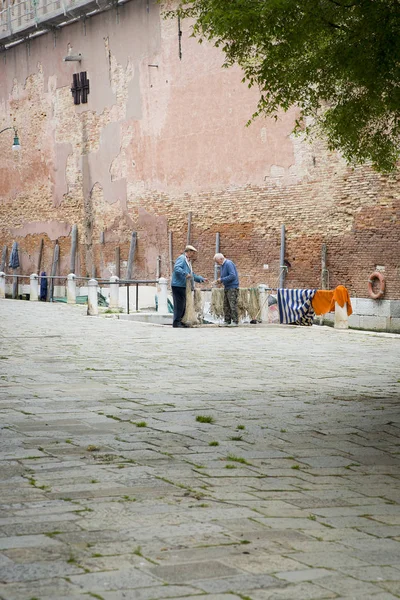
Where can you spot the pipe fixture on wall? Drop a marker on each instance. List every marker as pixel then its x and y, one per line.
pixel 73 58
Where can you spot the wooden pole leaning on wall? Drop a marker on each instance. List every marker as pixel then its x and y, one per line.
pixel 282 267
pixel 171 260
pixel 131 257
pixel 324 270
pixel 39 262
pixel 158 270
pixel 216 252
pixel 117 262
pixel 189 227
pixel 54 265
pixel 3 259
pixel 74 239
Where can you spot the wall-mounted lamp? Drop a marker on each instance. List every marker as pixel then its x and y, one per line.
pixel 16 145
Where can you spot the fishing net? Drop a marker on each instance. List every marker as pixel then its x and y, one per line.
pixel 243 303
pixel 254 306
pixel 217 303
pixel 190 317
pixel 248 303
pixel 198 302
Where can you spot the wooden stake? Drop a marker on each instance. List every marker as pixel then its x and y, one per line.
pixel 117 262
pixel 40 256
pixel 324 270
pixel 216 267
pixel 171 260
pixel 74 238
pixel 132 250
pixel 189 227
pixel 3 259
pixel 56 255
pixel 282 270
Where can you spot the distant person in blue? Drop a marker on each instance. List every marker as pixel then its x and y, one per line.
pixel 230 280
pixel 43 287
pixel 183 270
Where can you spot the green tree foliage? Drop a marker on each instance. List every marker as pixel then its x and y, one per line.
pixel 337 60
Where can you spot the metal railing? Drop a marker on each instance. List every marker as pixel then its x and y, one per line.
pixel 128 283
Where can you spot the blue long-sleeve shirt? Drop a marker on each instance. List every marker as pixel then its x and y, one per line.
pixel 181 269
pixel 229 275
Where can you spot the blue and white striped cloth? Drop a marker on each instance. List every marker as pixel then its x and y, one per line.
pixel 295 306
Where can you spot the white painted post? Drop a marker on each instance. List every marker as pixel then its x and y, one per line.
pixel 163 296
pixel 71 288
pixel 341 317
pixel 34 288
pixel 93 307
pixel 262 289
pixel 2 285
pixel 114 291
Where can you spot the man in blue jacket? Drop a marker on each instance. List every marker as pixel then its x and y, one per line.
pixel 182 271
pixel 230 280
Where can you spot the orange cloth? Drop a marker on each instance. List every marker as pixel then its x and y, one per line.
pixel 324 300
pixel 341 296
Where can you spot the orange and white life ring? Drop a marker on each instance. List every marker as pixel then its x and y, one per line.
pixel 376 295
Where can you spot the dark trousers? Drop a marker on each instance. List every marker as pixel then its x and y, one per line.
pixel 231 305
pixel 179 298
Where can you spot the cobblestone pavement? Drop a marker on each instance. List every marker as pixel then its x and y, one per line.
pixel 146 463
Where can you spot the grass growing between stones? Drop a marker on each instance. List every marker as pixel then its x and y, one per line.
pixel 214 443
pixel 205 419
pixel 238 459
pixel 52 534
pixel 34 484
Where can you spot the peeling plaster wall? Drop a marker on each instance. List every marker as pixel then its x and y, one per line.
pixel 160 137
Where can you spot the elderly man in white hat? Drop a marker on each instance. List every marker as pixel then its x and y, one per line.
pixel 182 271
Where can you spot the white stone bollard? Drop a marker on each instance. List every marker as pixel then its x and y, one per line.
pixel 93 306
pixel 163 296
pixel 114 292
pixel 341 317
pixel 34 288
pixel 263 316
pixel 71 288
pixel 2 285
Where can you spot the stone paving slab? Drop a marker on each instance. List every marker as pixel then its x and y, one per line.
pixel 111 486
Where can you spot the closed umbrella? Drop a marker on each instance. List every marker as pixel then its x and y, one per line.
pixel 14 258
pixel 14 264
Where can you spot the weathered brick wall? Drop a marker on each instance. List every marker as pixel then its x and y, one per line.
pixel 160 137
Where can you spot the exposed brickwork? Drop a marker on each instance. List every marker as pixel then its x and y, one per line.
pixel 155 142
